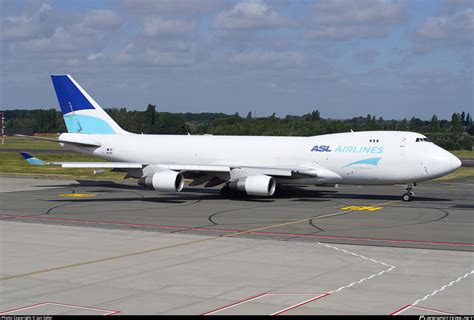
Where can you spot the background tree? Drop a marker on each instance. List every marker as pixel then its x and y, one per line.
pixel 450 134
pixel 456 123
pixel 434 124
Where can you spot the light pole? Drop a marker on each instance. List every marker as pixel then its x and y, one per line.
pixel 3 127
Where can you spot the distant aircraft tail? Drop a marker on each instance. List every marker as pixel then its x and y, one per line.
pixel 80 112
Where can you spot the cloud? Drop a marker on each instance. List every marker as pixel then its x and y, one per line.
pixel 41 38
pixel 62 39
pixel 452 6
pixel 227 53
pixel 452 29
pixel 366 57
pixel 349 19
pixel 77 33
pixel 436 81
pixel 142 53
pixel 174 8
pixel 34 20
pixel 41 24
pixel 268 58
pixel 158 26
pixel 250 14
pixel 448 30
pixel 151 57
pixel 100 19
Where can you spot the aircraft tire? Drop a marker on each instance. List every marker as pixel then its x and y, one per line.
pixel 407 196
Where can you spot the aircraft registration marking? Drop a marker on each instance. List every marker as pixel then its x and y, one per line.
pixel 78 195
pixel 362 208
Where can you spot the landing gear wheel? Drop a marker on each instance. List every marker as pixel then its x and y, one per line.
pixel 407 196
pixel 231 193
pixel 225 191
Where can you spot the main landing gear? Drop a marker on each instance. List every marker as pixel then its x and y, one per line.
pixel 409 194
pixel 231 193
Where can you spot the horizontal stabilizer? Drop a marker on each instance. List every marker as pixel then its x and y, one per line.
pixel 32 160
pixel 77 143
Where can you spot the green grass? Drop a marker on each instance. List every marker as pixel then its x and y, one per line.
pixel 13 164
pixel 28 143
pixel 462 172
pixel 463 153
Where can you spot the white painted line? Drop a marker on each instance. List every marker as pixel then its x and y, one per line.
pixel 104 312
pixel 390 267
pixel 443 287
pixel 408 307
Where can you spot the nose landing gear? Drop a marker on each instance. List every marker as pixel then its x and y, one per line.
pixel 409 194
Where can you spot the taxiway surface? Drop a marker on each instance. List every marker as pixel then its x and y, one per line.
pixel 89 246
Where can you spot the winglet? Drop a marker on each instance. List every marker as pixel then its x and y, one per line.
pixel 32 160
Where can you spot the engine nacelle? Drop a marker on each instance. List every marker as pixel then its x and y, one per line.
pixel 255 185
pixel 167 181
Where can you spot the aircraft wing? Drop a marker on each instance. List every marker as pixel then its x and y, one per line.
pixel 270 171
pixel 114 165
pixel 285 172
pixel 210 170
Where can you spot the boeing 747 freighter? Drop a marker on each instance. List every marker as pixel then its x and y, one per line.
pixel 254 165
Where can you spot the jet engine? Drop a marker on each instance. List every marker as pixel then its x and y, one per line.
pixel 260 185
pixel 167 181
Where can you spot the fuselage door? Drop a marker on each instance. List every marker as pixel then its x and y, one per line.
pixel 403 141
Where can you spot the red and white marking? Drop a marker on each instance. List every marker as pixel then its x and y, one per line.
pixel 313 297
pixel 42 305
pixel 423 309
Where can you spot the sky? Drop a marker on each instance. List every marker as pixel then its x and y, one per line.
pixel 345 58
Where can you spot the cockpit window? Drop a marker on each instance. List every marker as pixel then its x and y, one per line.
pixel 423 139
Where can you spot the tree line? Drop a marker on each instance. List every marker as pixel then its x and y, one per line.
pixel 453 134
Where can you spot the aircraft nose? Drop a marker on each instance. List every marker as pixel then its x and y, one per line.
pixel 455 162
pixel 441 162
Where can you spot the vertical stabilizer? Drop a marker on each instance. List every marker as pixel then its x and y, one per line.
pixel 80 112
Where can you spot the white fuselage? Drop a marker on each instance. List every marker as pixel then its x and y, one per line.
pixel 372 157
